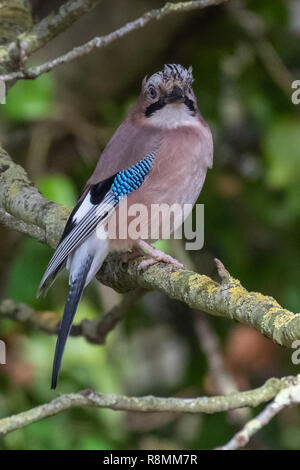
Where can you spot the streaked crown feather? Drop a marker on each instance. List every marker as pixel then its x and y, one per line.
pixel 173 72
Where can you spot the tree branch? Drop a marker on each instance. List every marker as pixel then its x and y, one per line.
pixel 94 331
pixel 227 299
pixel 287 397
pixel 32 39
pixel 46 220
pixel 222 379
pixel 89 398
pixel 15 18
pixel 55 23
pixel 24 209
pixel 254 27
pixel 17 311
pixel 32 43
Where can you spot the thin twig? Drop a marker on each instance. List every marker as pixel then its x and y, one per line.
pixel 288 397
pixel 19 225
pixel 208 340
pixel 34 37
pixel 56 22
pixel 254 27
pixel 94 331
pixel 102 41
pixel 89 398
pixel 221 378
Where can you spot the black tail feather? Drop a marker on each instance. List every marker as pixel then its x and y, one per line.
pixel 74 295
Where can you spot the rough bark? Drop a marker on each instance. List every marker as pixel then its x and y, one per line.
pixel 17 28
pixel 88 398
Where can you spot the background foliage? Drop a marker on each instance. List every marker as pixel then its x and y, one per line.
pixel 57 125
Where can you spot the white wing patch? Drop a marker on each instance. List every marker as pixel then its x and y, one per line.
pixel 86 225
pixel 83 209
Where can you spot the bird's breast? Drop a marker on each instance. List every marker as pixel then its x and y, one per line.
pixel 175 180
pixel 181 164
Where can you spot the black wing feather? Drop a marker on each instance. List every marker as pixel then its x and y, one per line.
pixel 75 233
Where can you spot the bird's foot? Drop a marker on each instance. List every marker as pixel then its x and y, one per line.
pixel 155 256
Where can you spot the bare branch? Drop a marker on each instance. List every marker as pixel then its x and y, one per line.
pixel 223 381
pixel 97 331
pixel 31 38
pixel 23 208
pixel 102 41
pixel 46 321
pixel 94 331
pixel 287 397
pixel 55 23
pixel 89 398
pixel 208 341
pixel 228 299
pixel 21 226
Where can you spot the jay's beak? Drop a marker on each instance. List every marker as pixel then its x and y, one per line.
pixel 176 95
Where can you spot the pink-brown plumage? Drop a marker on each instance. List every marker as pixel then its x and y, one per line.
pixel 165 131
pixel 181 163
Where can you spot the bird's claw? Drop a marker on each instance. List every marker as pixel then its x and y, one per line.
pixel 157 259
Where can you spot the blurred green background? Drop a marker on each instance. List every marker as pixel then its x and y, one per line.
pixel 56 127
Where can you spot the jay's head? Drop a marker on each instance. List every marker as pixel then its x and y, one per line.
pixel 168 98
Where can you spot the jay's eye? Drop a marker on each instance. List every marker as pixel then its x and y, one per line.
pixel 152 92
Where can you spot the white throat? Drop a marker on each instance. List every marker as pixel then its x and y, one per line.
pixel 173 115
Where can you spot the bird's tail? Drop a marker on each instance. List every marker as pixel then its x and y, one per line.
pixel 76 288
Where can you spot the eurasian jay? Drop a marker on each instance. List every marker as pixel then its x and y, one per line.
pixel 158 155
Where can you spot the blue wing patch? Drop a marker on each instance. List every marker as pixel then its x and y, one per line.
pixel 131 179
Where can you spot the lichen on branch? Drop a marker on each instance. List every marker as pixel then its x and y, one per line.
pixel 17 28
pixel 90 398
pixel 52 25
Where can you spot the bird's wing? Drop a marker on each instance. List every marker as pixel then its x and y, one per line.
pixel 99 202
pixel 127 146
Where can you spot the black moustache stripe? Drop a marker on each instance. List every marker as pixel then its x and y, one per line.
pixel 189 103
pixel 154 107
